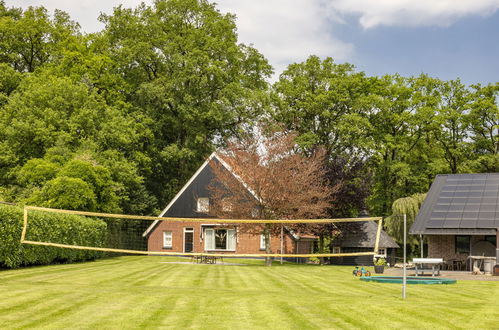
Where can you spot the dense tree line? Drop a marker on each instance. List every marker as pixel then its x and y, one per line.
pixel 117 121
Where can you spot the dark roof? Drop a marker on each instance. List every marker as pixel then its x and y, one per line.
pixel 365 236
pixel 460 204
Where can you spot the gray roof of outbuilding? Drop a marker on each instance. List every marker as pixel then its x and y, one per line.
pixel 460 203
pixel 365 236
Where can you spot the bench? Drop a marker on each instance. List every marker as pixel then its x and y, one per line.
pixel 422 264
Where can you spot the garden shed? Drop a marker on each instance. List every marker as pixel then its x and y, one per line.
pixel 362 239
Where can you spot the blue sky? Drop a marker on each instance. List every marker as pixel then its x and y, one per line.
pixel 468 49
pixel 447 39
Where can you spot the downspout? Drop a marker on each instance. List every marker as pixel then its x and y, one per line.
pixel 421 240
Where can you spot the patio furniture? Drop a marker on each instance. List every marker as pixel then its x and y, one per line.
pixel 204 259
pixel 458 264
pixel 422 264
pixel 478 261
pixel 448 264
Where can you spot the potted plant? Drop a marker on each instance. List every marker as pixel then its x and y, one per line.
pixel 379 265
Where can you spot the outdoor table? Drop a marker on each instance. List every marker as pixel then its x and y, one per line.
pixel 434 262
pixel 476 259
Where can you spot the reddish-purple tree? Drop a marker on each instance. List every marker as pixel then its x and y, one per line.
pixel 270 178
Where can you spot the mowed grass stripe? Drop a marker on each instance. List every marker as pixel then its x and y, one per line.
pixel 145 292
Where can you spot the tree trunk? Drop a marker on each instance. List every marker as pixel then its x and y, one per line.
pixel 266 233
pixel 321 249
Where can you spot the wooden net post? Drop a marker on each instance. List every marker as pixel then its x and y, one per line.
pixel 25 225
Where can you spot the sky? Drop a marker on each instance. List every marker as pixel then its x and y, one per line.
pixel 447 39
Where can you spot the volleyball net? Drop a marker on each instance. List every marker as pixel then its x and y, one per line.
pixel 171 236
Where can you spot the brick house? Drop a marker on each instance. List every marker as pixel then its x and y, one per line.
pixel 193 201
pixel 460 217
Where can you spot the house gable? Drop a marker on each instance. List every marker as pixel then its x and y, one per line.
pixel 184 204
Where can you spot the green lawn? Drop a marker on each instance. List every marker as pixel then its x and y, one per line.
pixel 143 292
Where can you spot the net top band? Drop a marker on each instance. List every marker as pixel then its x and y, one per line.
pixel 213 220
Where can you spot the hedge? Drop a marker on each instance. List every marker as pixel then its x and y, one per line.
pixel 47 227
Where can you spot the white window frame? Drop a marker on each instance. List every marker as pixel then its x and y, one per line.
pixel 188 230
pixel 203 205
pixel 381 253
pixel 210 246
pixel 336 249
pixel 165 235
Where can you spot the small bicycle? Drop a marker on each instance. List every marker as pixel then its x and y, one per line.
pixel 361 272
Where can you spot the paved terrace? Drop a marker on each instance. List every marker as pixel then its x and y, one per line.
pixel 457 275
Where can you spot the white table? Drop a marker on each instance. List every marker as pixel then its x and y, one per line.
pixel 476 259
pixel 434 262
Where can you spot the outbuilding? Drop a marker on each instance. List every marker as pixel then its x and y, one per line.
pixel 460 218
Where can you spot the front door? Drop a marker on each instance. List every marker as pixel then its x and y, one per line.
pixel 188 240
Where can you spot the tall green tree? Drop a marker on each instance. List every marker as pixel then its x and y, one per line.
pixel 32 38
pixel 322 101
pixel 451 127
pixel 394 130
pixel 190 76
pixel 51 116
pixel 484 126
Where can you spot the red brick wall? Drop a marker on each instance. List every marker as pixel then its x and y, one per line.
pixel 304 246
pixel 245 244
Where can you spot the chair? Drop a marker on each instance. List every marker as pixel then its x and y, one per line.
pixel 458 264
pixel 449 264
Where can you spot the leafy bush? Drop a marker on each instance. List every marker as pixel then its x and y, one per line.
pixel 47 227
pixel 380 262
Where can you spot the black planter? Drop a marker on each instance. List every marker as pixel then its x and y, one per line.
pixel 379 269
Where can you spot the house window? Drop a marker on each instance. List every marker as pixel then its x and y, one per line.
pixel 336 249
pixel 262 242
pixel 219 239
pixel 167 239
pixel 492 239
pixel 382 252
pixel 462 244
pixel 203 205
pixel 226 206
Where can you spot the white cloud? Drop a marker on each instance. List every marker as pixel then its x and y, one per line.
pixel 412 12
pixel 84 12
pixel 287 31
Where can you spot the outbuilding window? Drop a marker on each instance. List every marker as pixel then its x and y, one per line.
pixel 463 244
pixel 492 239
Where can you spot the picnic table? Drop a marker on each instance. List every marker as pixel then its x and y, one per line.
pixel 425 263
pixel 205 259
